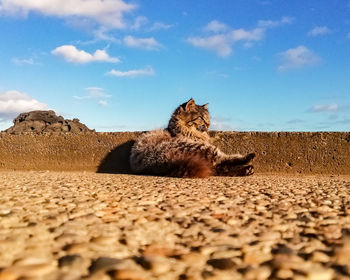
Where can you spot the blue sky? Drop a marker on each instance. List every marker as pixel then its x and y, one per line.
pixel 266 65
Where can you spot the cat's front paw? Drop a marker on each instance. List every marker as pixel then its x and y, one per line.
pixel 250 156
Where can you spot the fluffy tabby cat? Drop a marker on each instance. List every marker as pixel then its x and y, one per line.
pixel 184 150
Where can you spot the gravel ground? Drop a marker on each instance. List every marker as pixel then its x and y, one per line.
pixel 97 226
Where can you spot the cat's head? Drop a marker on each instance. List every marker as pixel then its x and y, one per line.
pixel 190 117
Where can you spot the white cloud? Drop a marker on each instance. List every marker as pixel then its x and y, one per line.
pixel 223 41
pixel 299 57
pixel 221 124
pixel 106 12
pixel 142 43
pixel 215 26
pixel 148 71
pixel 160 26
pixel 14 102
pixel 102 35
pixel 325 108
pixel 102 102
pixel 139 22
pixel 24 61
pixel 319 31
pixel 72 54
pixel 222 44
pixel 247 35
pixel 275 23
pixel 95 93
pixel 217 43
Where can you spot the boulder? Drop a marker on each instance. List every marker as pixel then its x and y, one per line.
pixel 45 121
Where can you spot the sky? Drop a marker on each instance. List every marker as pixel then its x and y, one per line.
pixel 120 65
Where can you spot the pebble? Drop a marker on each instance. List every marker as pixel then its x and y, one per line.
pixel 159 265
pixel 103 264
pixel 320 274
pixel 34 270
pixel 342 254
pixel 320 257
pixel 260 273
pixel 224 263
pixel 284 273
pixel 129 274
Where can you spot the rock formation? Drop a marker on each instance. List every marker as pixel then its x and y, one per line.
pixel 45 121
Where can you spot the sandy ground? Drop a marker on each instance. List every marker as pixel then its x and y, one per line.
pixel 98 226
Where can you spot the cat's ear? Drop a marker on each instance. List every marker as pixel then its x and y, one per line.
pixel 190 104
pixel 206 106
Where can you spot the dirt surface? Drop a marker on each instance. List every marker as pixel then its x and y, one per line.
pixel 83 225
pixel 280 152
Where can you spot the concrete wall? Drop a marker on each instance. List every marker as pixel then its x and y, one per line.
pixel 277 152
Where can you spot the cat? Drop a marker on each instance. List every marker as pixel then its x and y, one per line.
pixel 183 149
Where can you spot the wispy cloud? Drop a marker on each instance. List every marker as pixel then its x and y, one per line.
pixel 95 93
pixel 319 31
pixel 298 57
pixel 160 26
pixel 217 74
pixel 320 108
pixel 217 43
pixel 24 61
pixel 148 71
pixel 222 44
pixel 108 13
pixel 215 26
pixel 295 121
pixel 275 23
pixel 223 40
pixel 14 102
pixel 142 43
pixel 71 54
pixel 221 124
pixel 139 22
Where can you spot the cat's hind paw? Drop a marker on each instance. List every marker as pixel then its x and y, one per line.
pixel 246 170
pixel 227 169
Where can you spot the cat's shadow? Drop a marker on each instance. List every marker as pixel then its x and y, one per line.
pixel 117 160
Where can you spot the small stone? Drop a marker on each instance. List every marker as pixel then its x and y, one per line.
pixel 223 264
pixel 34 270
pixel 226 254
pixel 77 248
pixel 320 274
pixel 284 273
pixel 5 212
pixel 194 259
pixel 290 262
pixel 342 254
pixel 159 265
pixel 129 274
pixel 270 236
pixel 104 240
pixel 260 273
pixel 318 256
pixel 256 257
pixel 99 275
pixel 68 260
pixel 103 264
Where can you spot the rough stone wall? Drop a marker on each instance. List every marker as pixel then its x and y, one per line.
pixel 277 152
pixel 45 121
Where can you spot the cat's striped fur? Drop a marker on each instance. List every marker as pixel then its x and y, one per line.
pixel 183 149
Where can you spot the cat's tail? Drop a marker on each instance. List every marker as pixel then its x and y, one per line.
pixel 189 166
